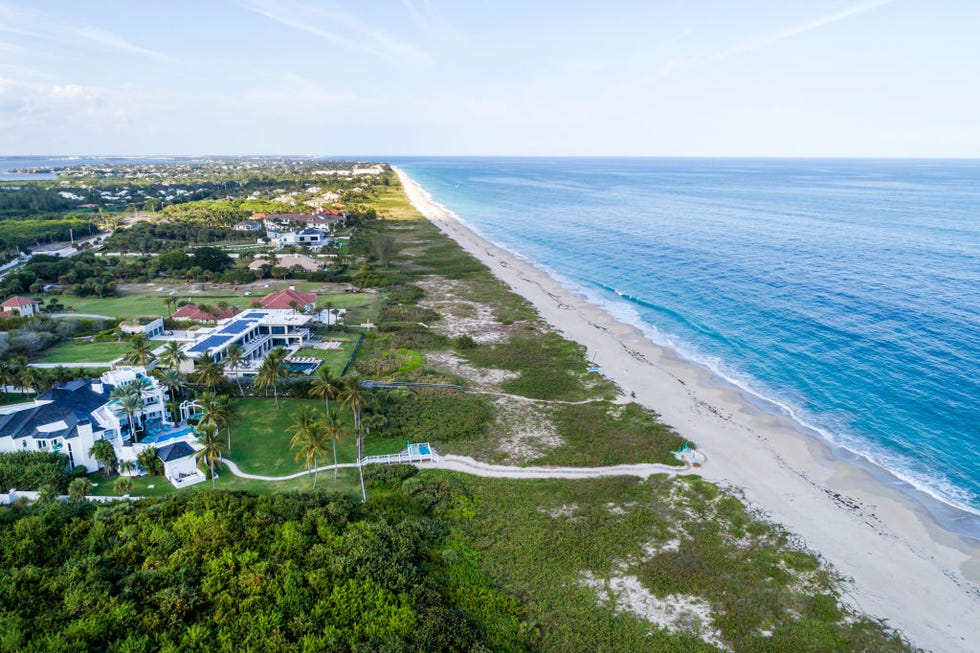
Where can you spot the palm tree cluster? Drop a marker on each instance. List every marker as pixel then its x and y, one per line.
pixel 16 373
pixel 313 430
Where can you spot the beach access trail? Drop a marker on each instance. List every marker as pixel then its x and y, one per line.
pixel 467 465
pixel 906 569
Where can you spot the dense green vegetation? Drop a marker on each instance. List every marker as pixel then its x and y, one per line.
pixel 33 470
pixel 230 572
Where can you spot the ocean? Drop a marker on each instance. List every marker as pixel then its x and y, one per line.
pixel 843 293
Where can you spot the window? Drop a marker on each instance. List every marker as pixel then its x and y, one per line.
pixel 42 444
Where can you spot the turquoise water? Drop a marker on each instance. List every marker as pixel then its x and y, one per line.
pixel 844 293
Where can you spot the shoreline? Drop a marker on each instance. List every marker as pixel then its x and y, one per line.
pixel 870 532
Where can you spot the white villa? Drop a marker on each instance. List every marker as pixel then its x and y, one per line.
pixel 256 331
pixel 70 417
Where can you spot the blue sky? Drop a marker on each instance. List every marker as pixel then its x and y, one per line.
pixel 890 78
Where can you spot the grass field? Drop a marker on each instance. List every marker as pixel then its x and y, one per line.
pixel 87 352
pixel 260 440
pixel 347 482
pixel 336 359
pixel 152 303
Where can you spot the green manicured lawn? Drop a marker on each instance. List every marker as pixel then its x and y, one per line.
pixel 85 352
pixel 260 440
pixel 335 358
pixel 124 306
pixel 347 482
pixel 152 302
pixel 105 487
pixel 345 300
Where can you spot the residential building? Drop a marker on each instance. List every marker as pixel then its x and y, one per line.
pixel 192 312
pixel 23 306
pixel 148 327
pixel 248 225
pixel 288 298
pixel 311 237
pixel 71 417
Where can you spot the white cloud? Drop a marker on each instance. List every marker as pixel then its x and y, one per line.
pixel 794 30
pixel 37 25
pixel 340 28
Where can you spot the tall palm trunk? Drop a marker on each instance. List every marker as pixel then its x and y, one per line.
pixel 275 393
pixel 360 470
pixel 335 459
pixel 214 485
pixel 315 472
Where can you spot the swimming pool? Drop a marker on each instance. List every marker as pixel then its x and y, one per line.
pixel 303 368
pixel 167 437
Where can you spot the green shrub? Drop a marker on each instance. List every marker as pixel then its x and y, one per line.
pixel 388 476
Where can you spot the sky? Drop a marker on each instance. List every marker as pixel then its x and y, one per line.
pixel 848 78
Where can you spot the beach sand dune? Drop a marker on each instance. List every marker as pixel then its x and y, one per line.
pixel 925 581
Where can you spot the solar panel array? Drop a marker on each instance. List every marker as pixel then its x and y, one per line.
pixel 209 342
pixel 237 327
pixel 254 315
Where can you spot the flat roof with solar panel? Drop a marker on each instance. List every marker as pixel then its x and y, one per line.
pixel 209 343
pixel 238 326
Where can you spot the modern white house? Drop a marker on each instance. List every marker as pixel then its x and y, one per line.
pixel 310 237
pixel 256 332
pixel 71 417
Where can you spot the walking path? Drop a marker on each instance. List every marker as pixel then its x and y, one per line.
pixel 467 465
pixel 89 315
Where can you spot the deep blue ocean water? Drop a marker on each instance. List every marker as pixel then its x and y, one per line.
pixel 845 293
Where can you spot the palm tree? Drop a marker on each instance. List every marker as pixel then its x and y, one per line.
pixel 208 372
pixel 142 351
pixel 355 397
pixel 8 376
pixel 131 402
pixel 149 461
pixel 324 385
pixel 172 379
pixel 272 372
pixel 336 429
pixel 123 485
pixel 207 434
pixel 105 455
pixel 172 355
pixel 79 488
pixel 329 307
pixel 170 301
pixel 229 413
pixel 310 437
pixel 233 358
pixel 31 377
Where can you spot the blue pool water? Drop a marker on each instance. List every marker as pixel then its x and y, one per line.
pixel 160 438
pixel 843 292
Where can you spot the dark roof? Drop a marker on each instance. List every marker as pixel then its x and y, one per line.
pixel 71 402
pixel 175 451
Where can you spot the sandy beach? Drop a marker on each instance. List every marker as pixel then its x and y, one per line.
pixel 905 568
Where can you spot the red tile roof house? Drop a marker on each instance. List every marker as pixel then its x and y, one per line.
pixel 288 299
pixel 192 312
pixel 23 305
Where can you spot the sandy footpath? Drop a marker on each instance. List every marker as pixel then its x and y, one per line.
pixel 906 569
